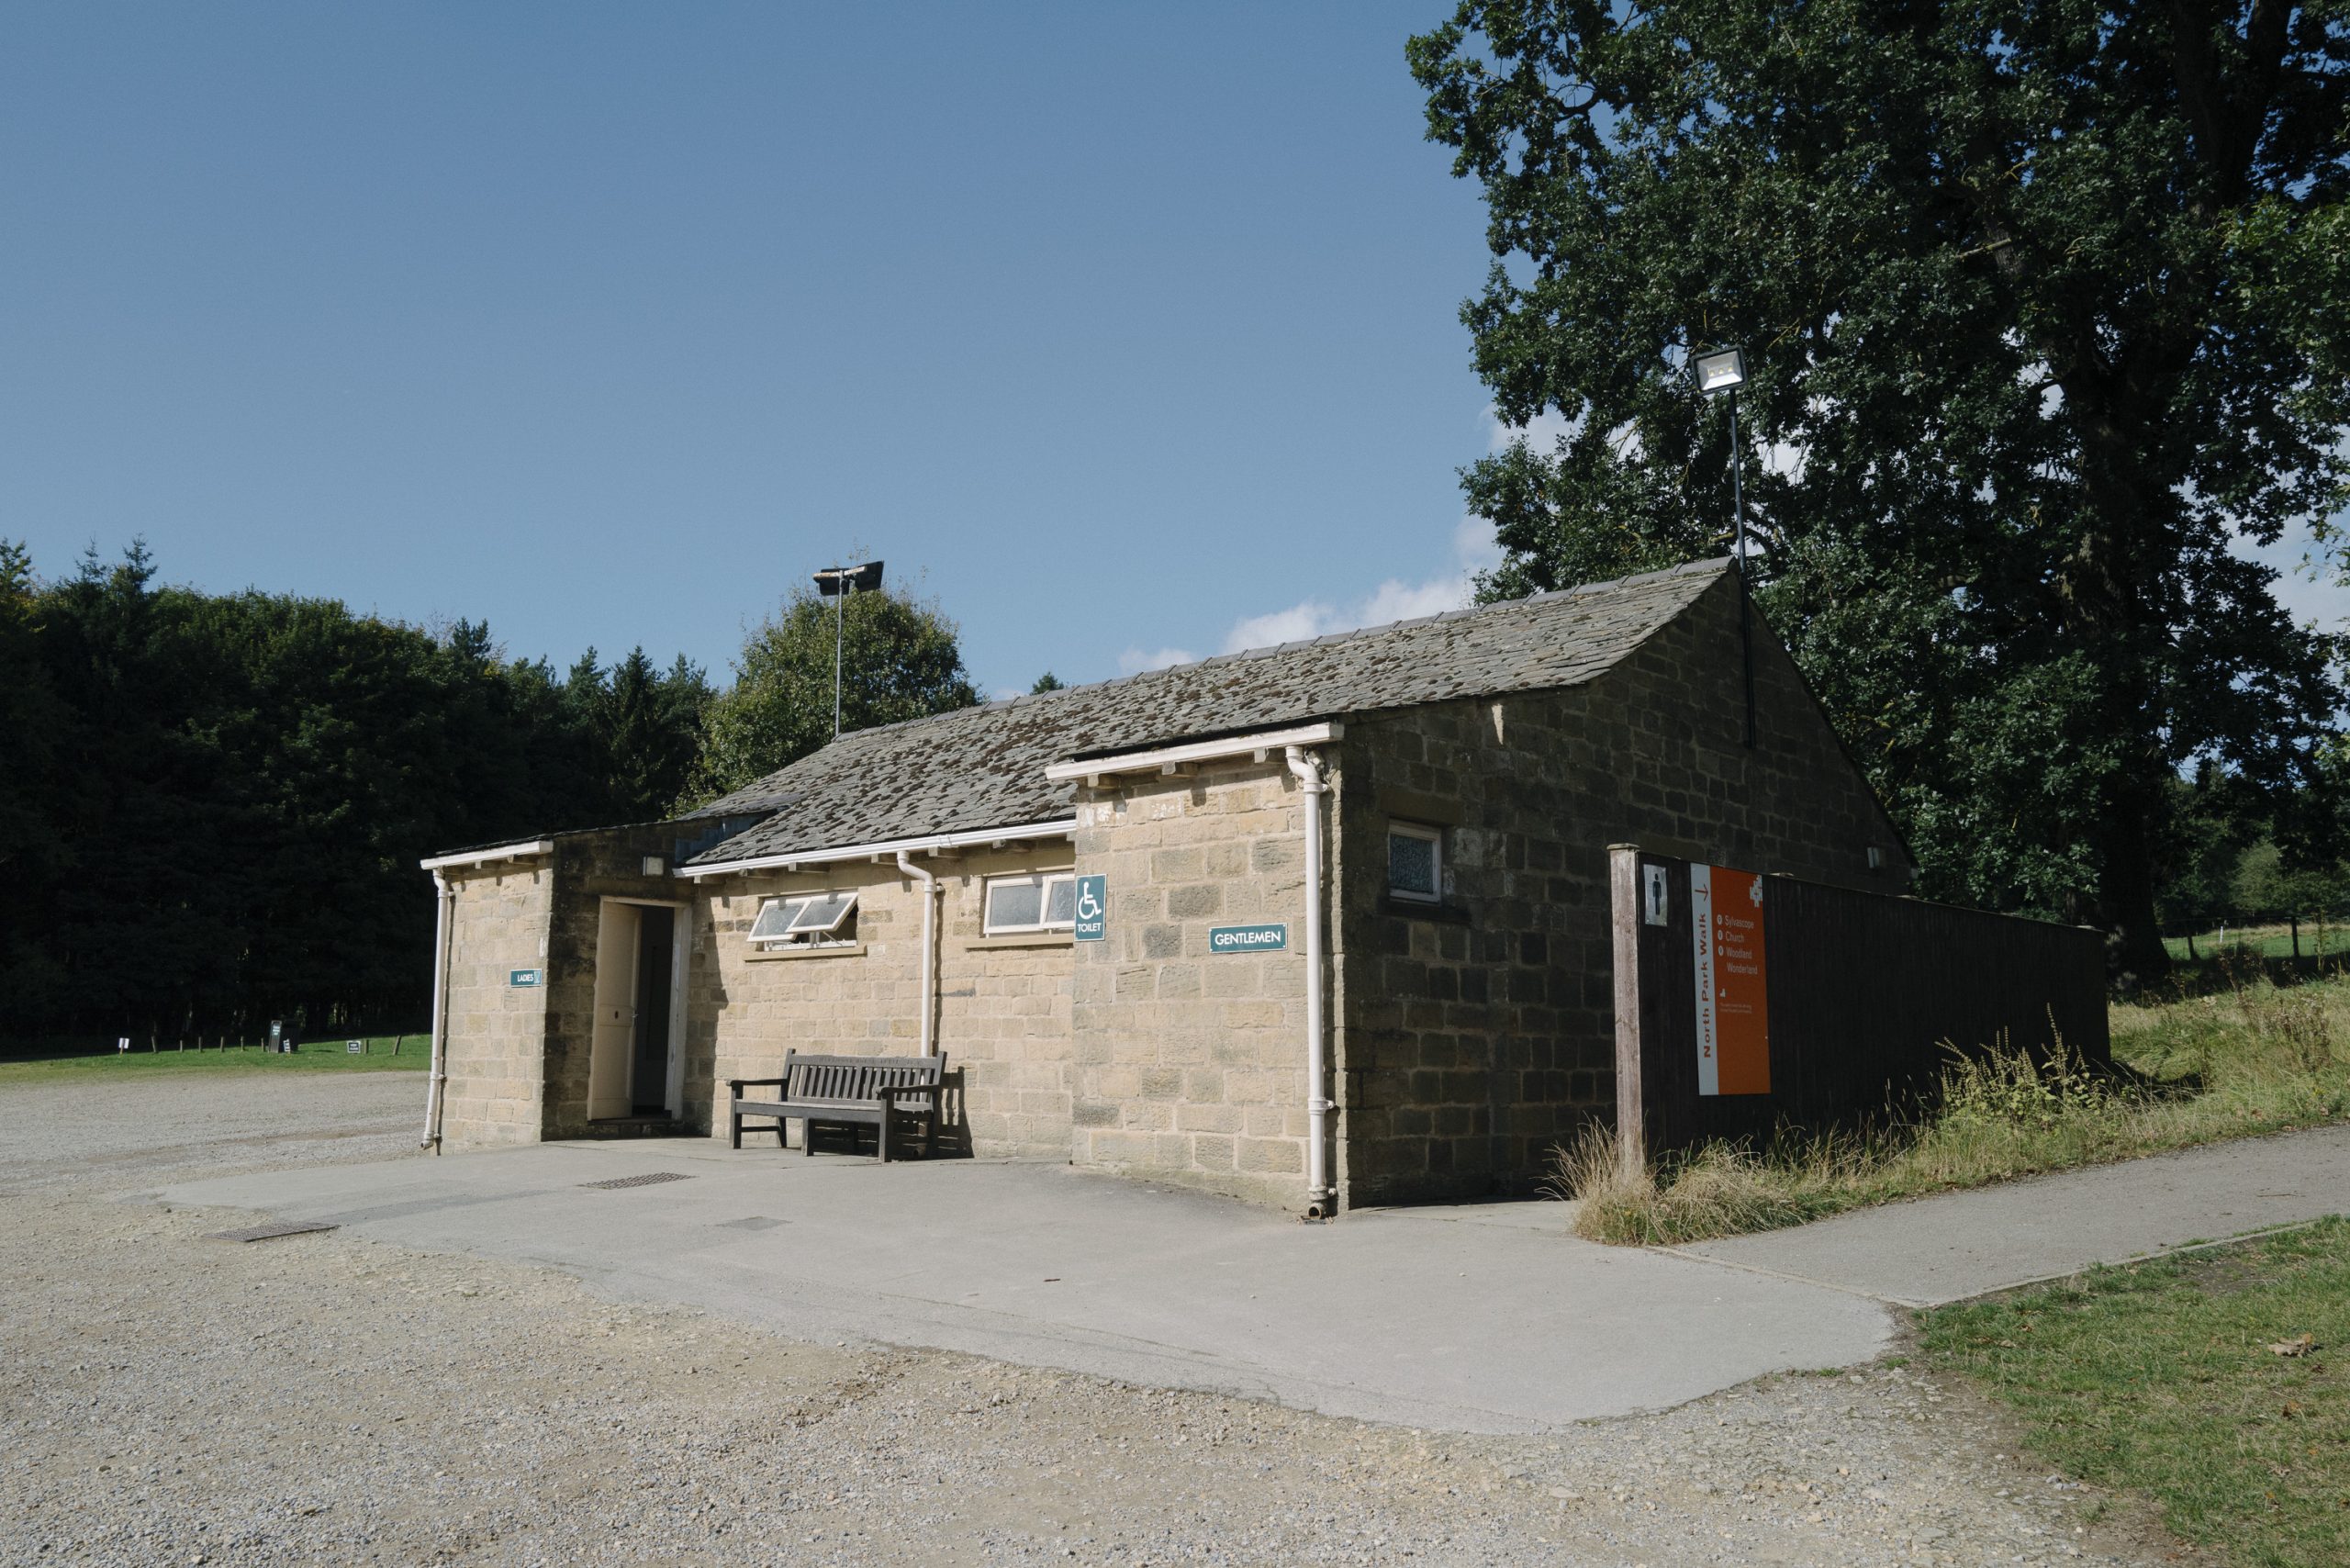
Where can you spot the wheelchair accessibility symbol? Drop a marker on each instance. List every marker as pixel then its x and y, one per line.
pixel 1092 908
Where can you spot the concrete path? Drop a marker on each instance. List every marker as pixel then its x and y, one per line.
pixel 1482 1319
pixel 1960 1244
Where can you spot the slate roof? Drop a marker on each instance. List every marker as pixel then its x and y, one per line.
pixel 984 766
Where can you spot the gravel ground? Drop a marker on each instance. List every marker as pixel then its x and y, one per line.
pixel 165 1398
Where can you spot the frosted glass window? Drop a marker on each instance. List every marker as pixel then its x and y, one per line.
pixel 1044 901
pixel 1415 857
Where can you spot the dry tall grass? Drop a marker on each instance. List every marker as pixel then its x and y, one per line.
pixel 2255 1058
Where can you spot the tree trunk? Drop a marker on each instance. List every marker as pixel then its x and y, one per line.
pixel 2135 956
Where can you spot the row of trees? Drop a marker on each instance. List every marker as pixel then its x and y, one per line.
pixel 212 806
pixel 2221 875
pixel 2046 309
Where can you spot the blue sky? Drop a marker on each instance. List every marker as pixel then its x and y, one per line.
pixel 1113 326
pixel 1126 332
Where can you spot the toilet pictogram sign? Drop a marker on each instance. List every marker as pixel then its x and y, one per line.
pixel 1092 908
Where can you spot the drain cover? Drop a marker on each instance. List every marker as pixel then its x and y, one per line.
pixel 647 1180
pixel 269 1232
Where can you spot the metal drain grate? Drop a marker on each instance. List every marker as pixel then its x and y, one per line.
pixel 645 1181
pixel 270 1232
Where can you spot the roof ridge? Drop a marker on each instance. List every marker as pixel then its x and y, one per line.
pixel 918 776
pixel 1709 565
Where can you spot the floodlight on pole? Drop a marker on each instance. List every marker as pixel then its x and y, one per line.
pixel 1724 370
pixel 1720 373
pixel 836 583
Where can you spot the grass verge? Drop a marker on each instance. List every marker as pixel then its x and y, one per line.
pixel 2255 1058
pixel 2188 1380
pixel 2319 939
pixel 323 1055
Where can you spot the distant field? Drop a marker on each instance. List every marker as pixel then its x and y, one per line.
pixel 34 1063
pixel 2267 942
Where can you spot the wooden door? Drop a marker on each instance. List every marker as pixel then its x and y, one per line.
pixel 615 1029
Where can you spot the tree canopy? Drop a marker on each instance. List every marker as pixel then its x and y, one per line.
pixel 2043 304
pixel 212 806
pixel 899 660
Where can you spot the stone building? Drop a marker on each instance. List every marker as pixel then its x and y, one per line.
pixel 1354 941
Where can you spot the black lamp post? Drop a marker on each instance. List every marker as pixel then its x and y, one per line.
pixel 1720 374
pixel 836 583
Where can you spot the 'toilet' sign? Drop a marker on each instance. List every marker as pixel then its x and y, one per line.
pixel 1733 996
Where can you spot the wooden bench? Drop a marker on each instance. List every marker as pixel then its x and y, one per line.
pixel 852 1091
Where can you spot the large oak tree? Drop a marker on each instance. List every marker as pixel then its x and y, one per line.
pixel 2044 305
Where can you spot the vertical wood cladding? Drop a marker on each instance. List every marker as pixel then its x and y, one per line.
pixel 1868 997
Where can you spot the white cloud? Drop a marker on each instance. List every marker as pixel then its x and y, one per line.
pixel 1543 432
pixel 1474 551
pixel 1133 661
pixel 1397 599
pixel 1308 618
pixel 1473 544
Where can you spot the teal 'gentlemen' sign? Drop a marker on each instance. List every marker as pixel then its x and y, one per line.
pixel 1092 908
pixel 1270 938
pixel 522 977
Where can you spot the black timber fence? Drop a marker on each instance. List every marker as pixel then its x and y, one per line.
pixel 1811 1006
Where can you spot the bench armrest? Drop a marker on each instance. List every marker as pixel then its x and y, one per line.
pixel 736 1085
pixel 909 1090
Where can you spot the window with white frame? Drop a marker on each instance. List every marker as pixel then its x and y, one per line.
pixel 806 920
pixel 1416 862
pixel 1041 900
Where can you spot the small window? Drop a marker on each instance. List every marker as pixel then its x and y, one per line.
pixel 1415 862
pixel 808 920
pixel 1044 902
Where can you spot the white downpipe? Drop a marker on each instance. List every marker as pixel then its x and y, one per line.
pixel 439 1076
pixel 929 944
pixel 1307 767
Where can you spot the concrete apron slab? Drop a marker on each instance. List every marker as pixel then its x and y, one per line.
pixel 1442 1318
pixel 1956 1246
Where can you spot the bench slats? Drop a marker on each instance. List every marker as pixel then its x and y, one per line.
pixel 847 1090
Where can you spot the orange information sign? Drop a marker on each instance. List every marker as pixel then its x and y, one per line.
pixel 1732 983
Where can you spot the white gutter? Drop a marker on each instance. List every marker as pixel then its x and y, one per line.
pixel 1170 759
pixel 930 844
pixel 929 945
pixel 519 851
pixel 439 1075
pixel 1307 768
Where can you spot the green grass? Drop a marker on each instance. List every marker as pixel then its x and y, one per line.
pixel 2328 941
pixel 323 1055
pixel 2159 1378
pixel 2251 1059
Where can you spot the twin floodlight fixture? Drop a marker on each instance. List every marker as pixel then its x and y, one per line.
pixel 836 583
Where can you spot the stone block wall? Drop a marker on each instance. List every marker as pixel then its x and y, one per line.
pixel 1191 1066
pixel 1003 1004
pixel 497 1030
pixel 590 867
pixel 1477 1034
pixel 1005 1015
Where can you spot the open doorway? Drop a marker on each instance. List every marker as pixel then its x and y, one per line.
pixel 635 1062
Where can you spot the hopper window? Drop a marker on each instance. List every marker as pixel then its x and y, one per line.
pixel 1044 902
pixel 1415 862
pixel 806 920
